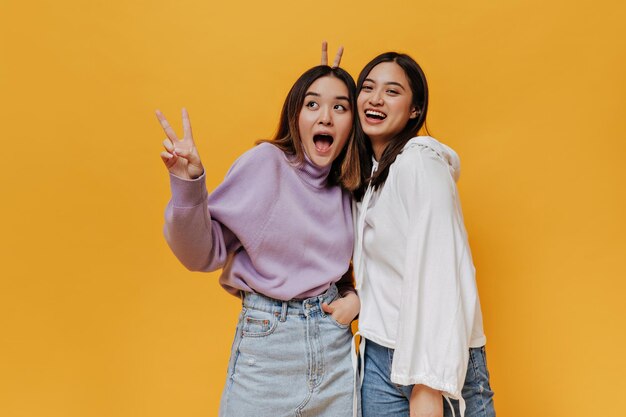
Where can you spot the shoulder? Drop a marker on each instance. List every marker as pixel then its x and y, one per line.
pixel 263 157
pixel 426 174
pixel 427 153
pixel 253 180
pixel 261 154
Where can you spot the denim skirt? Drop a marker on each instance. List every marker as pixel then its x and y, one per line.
pixel 289 358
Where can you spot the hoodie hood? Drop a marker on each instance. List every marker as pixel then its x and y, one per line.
pixel 445 152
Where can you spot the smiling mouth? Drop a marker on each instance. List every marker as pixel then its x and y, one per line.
pixel 375 115
pixel 322 142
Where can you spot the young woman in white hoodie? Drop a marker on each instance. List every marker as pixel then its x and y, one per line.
pixel 420 312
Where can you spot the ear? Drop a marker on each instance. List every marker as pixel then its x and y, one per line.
pixel 414 113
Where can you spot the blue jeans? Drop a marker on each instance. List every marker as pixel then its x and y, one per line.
pixel 289 359
pixel 382 398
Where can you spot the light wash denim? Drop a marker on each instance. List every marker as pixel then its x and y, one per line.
pixel 383 398
pixel 289 359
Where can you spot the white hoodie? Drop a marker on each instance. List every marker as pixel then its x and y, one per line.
pixel 414 270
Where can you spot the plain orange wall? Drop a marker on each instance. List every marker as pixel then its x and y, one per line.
pixel 97 317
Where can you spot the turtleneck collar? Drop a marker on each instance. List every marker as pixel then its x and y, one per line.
pixel 312 174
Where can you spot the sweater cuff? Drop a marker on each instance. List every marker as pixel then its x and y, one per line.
pixel 188 193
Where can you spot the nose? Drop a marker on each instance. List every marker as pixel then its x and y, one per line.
pixel 376 98
pixel 325 116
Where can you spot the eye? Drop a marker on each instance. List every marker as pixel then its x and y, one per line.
pixel 311 105
pixel 366 88
pixel 393 92
pixel 340 107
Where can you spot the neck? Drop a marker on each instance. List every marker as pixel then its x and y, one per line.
pixel 379 146
pixel 314 175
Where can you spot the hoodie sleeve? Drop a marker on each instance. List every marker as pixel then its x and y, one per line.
pixel 438 290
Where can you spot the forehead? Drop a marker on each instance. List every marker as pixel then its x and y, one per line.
pixel 328 86
pixel 386 72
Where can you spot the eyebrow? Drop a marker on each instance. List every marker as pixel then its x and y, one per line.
pixel 312 93
pixel 387 83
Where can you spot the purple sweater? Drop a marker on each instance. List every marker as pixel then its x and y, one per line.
pixel 275 228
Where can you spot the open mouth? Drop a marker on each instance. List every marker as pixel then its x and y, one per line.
pixel 322 142
pixel 375 115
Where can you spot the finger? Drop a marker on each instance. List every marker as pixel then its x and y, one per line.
pixel 327 308
pixel 324 53
pixel 166 126
pixel 186 125
pixel 188 154
pixel 168 145
pixel 168 159
pixel 182 152
pixel 337 60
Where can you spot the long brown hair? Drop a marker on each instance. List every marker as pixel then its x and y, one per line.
pixel 345 169
pixel 419 90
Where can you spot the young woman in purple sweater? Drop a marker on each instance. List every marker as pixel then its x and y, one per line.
pixel 280 228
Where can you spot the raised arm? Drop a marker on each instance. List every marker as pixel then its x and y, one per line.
pixel 200 243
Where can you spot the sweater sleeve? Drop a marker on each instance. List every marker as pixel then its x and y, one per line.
pixel 199 242
pixel 202 229
pixel 437 306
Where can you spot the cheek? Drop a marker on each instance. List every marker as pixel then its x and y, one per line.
pixel 346 127
pixel 360 103
pixel 300 122
pixel 304 122
pixel 403 109
pixel 359 109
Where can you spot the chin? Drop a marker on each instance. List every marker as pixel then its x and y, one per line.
pixel 372 130
pixel 322 162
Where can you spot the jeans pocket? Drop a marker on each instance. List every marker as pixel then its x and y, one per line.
pixel 336 323
pixel 257 323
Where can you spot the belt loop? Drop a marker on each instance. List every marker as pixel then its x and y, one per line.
pixel 283 312
pixel 320 301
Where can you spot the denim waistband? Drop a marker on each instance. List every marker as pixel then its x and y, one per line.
pixel 307 306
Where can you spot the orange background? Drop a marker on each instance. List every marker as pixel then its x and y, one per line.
pixel 97 317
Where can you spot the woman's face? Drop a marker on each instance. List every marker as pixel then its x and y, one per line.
pixel 385 102
pixel 325 120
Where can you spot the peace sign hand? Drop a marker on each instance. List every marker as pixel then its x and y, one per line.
pixel 180 157
pixel 325 55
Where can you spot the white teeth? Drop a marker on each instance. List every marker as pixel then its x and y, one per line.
pixel 375 113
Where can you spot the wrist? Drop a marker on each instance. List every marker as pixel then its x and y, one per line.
pixel 195 175
pixel 344 292
pixel 425 388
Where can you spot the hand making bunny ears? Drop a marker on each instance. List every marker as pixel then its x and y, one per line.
pixel 181 156
pixel 337 60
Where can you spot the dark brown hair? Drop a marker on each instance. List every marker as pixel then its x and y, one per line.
pixel 419 90
pixel 345 169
